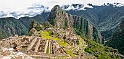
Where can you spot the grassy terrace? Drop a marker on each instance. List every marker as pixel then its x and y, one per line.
pixel 69 52
pixel 47 36
pixel 63 44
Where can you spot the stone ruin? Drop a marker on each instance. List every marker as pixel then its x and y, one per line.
pixel 33 45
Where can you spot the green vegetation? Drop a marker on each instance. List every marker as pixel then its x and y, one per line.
pixel 105 18
pixel 11 26
pixel 77 41
pixel 35 25
pixel 63 43
pixel 69 52
pixel 50 48
pixel 117 40
pixel 96 35
pixel 46 35
pixel 80 42
pixel 47 51
pixel 46 24
pixel 65 24
pixel 49 35
pixel 81 27
pixel 2 36
pixel 102 52
pixel 38 27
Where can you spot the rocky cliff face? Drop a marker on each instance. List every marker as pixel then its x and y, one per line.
pixel 60 19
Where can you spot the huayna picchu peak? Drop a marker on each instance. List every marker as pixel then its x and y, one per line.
pixel 61 36
pixel 60 19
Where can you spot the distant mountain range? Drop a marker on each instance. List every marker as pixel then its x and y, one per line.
pixel 105 18
pixel 11 26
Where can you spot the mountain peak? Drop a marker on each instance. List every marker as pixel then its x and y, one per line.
pixel 56 8
pixel 57 15
pixel 54 12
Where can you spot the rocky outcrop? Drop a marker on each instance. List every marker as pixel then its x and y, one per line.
pixel 59 18
pixel 62 20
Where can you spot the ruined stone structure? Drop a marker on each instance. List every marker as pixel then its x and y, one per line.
pixel 33 45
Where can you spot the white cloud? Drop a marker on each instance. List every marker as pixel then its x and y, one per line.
pixel 20 5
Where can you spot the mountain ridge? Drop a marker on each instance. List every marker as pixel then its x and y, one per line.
pixel 11 26
pixel 103 17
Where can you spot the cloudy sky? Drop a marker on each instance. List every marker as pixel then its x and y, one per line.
pixel 22 4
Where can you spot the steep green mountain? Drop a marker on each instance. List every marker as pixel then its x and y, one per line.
pixel 11 26
pixel 66 31
pixel 118 38
pixel 61 19
pixel 106 17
